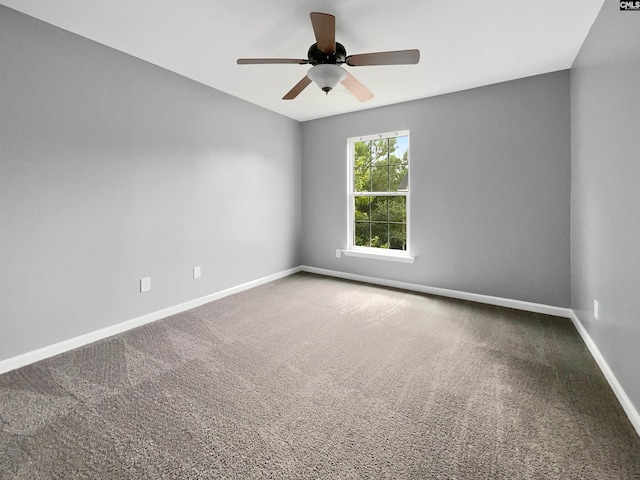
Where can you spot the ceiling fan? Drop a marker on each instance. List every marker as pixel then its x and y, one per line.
pixel 326 56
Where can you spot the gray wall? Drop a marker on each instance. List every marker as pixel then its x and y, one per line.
pixel 490 179
pixel 112 169
pixel 605 197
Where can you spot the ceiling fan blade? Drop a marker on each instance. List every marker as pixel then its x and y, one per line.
pixel 398 57
pixel 357 89
pixel 265 61
pixel 295 91
pixel 324 28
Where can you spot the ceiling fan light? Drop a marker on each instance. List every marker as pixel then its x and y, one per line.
pixel 327 76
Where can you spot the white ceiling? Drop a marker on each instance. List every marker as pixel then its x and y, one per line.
pixel 463 43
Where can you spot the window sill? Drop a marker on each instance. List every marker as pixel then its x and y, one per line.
pixel 391 257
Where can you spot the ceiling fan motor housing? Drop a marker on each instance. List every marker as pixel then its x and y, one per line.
pixel 317 57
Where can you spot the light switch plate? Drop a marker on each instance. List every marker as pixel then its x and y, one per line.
pixel 197 272
pixel 145 284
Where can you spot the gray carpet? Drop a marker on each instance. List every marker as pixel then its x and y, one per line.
pixel 313 377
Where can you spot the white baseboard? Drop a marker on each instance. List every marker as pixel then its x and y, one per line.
pixel 443 292
pixel 625 401
pixel 66 345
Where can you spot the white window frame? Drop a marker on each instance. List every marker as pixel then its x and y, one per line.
pixel 374 252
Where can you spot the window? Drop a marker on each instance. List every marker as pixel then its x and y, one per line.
pixel 379 194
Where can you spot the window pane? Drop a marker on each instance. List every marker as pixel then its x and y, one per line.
pixel 379 211
pixel 362 157
pixel 380 179
pixel 361 233
pixel 398 236
pixel 362 208
pixel 400 150
pixel 398 178
pixel 380 235
pixel 380 152
pixel 398 209
pixel 362 179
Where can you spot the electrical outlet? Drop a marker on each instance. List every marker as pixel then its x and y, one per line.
pixel 197 272
pixel 596 309
pixel 338 253
pixel 145 284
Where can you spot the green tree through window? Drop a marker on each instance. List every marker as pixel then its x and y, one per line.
pixel 379 191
